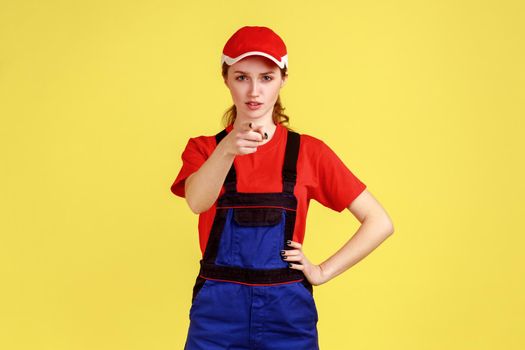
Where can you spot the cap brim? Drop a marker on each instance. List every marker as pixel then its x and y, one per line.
pixel 229 60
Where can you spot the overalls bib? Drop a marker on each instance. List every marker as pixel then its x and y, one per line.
pixel 246 297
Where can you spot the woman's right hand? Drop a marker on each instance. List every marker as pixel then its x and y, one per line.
pixel 203 186
pixel 243 140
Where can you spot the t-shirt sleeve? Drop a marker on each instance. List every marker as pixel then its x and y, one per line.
pixel 337 186
pixel 193 157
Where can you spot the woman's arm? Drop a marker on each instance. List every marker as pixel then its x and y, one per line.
pixel 375 227
pixel 203 186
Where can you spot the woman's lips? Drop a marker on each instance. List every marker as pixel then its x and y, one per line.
pixel 253 105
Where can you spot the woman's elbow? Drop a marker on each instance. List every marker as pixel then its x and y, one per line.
pixel 382 222
pixel 196 208
pixel 386 222
pixel 390 227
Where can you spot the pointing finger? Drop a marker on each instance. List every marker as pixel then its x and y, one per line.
pixel 247 126
pixel 259 129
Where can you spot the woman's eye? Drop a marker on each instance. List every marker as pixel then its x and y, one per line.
pixel 266 77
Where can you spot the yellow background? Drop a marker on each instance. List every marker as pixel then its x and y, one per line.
pixel 423 100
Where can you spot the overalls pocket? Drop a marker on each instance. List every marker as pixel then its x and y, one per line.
pixel 253 238
pixel 257 216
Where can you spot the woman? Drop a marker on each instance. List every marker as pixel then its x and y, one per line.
pixel 251 184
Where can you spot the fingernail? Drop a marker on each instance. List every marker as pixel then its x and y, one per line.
pixel 289 265
pixel 266 135
pixel 288 242
pixel 282 252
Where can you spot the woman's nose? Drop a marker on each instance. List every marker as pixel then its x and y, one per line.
pixel 254 89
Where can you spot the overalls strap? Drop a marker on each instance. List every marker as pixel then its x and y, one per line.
pixel 290 161
pixel 289 171
pixel 230 183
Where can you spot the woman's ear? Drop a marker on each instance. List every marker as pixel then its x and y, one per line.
pixel 284 80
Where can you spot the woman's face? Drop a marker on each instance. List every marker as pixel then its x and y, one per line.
pixel 254 78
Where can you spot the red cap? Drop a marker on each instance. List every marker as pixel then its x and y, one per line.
pixel 255 41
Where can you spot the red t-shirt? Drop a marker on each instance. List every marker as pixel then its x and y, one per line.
pixel 321 175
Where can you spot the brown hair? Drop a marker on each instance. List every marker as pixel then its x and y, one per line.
pixel 278 115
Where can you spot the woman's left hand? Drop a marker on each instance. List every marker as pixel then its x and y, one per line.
pixel 313 273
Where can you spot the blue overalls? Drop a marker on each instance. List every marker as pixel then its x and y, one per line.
pixel 246 297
